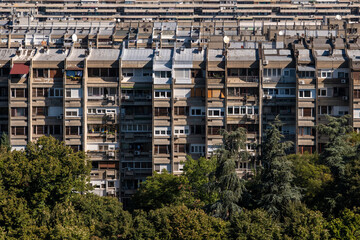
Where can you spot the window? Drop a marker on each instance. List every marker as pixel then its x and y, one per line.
pixel 215 112
pixel 242 110
pixel 19 93
pixel 41 73
pixel 40 92
pixel 162 131
pixel 163 74
pixel 40 129
pixel 73 130
pixel 55 92
pixel 214 130
pixel 162 149
pixel 197 148
pixel 343 75
pixel 162 94
pixel 181 130
pixel 306 112
pixel 19 112
pixel 19 131
pixel 136 128
pixel 72 112
pixel 40 111
pixel 325 74
pixel 73 93
pixel 197 129
pixel 181 111
pixel 128 72
pixel 197 111
pixel 306 131
pixel 180 148
pixel 323 110
pixel 162 111
pixel 305 94
pixel 216 93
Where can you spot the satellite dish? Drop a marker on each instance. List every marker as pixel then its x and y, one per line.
pixel 74 37
pixel 226 39
pixel 338 17
pixel 118 20
pixel 281 33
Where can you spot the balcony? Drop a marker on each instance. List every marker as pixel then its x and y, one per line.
pixel 242 79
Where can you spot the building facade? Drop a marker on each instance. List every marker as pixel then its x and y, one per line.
pixel 140 99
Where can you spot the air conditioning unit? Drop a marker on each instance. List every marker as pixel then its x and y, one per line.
pixel 126 97
pixel 343 80
pixel 267 96
pixel 59 117
pixel 148 97
pixel 265 62
pixel 137 152
pixel 345 98
pixel 111 98
pixel 111 154
pixel 302 82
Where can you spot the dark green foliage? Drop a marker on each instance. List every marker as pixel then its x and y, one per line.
pixel 302 223
pixel 347 226
pixel 276 178
pixel 161 190
pixel 254 225
pixel 178 222
pixel 198 172
pixel 310 176
pixel 337 150
pixel 226 181
pixel 45 173
pixel 5 142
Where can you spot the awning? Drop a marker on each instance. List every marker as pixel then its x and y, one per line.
pixel 19 68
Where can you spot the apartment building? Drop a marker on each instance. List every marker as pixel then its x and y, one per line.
pixel 210 10
pixel 140 97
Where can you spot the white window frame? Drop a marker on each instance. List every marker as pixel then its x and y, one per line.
pixel 302 93
pixel 211 112
pixel 181 130
pixel 197 148
pixel 162 131
pixel 162 93
pixel 76 110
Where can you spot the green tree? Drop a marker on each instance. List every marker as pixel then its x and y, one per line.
pixel 198 173
pixel 103 216
pixel 302 223
pixel 276 179
pixel 346 227
pixel 161 190
pixel 177 222
pixel 47 172
pixel 310 176
pixel 5 142
pixel 254 224
pixel 341 156
pixel 337 150
pixel 227 183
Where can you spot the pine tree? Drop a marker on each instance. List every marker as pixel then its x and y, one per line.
pixel 276 188
pixel 337 150
pixel 5 142
pixel 227 183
